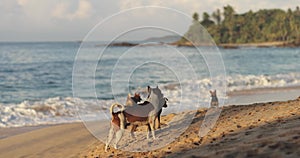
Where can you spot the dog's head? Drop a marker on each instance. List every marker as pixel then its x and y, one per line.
pixel 133 100
pixel 165 104
pixel 213 93
pixel 136 97
pixel 130 101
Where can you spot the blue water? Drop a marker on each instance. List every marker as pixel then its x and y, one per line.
pixel 262 61
pixel 36 77
pixel 34 71
pixel 41 70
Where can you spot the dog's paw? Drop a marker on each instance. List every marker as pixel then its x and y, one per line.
pixel 133 136
pixel 115 146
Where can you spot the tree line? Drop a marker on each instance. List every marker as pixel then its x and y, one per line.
pixel 266 25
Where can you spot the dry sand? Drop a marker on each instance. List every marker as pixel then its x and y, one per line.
pixel 257 130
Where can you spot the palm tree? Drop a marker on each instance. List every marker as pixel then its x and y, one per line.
pixel 229 21
pixel 217 16
pixel 196 16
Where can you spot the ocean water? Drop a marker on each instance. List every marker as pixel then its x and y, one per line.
pixel 36 77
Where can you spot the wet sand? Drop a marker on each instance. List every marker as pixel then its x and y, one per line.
pixel 260 95
pixel 65 140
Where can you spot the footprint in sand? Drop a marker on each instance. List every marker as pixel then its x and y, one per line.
pixel 296 137
pixel 248 132
pixel 274 146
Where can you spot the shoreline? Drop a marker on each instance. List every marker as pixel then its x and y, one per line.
pixel 260 95
pixel 260 44
pixel 238 97
pixel 279 44
pixel 13 131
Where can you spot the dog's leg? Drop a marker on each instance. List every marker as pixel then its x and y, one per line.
pixel 120 132
pixel 152 126
pixel 133 128
pixel 148 131
pixel 110 137
pixel 119 135
pixel 158 118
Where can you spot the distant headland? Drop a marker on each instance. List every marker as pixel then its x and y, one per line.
pixel 263 28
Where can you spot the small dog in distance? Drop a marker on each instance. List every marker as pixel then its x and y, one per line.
pixel 214 99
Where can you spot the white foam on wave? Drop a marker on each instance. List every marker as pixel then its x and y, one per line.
pixel 233 83
pixel 241 82
pixel 50 111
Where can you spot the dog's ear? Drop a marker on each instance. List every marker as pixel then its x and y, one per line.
pixel 149 89
pixel 128 96
pixel 211 92
pixel 215 91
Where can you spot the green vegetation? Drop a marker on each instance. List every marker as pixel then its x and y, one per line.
pixel 272 25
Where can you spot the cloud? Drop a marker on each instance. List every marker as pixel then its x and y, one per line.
pixel 62 10
pixel 55 19
pixel 126 4
pixel 22 2
pixel 30 10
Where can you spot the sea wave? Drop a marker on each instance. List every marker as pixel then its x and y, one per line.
pixel 188 95
pixel 241 82
pixel 50 111
pixel 237 82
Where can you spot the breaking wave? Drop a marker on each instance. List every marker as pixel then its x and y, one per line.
pixel 65 110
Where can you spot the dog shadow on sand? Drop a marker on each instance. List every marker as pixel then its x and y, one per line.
pixel 166 135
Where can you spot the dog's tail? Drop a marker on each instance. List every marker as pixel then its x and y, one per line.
pixel 120 115
pixel 114 105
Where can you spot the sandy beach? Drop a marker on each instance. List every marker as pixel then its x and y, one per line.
pixel 222 78
pixel 269 129
pixel 257 130
pixel 65 140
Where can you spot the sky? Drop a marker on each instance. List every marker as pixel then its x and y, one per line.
pixel 72 20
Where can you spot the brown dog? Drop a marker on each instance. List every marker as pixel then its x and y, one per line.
pixel 133 115
pixel 136 115
pixel 117 125
pixel 131 101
